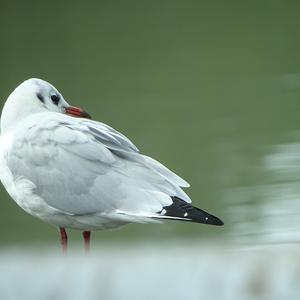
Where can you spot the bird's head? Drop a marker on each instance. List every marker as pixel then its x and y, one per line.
pixel 34 96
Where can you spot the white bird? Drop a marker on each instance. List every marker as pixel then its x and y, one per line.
pixel 72 172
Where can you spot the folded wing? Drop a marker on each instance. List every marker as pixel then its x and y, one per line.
pixel 81 167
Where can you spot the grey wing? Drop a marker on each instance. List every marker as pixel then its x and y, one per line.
pixel 86 167
pixel 119 143
pixel 108 136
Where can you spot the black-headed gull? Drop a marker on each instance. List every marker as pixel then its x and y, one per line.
pixel 72 172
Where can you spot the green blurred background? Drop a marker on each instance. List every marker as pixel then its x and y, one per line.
pixel 209 88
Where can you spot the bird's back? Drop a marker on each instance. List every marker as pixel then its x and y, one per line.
pixel 73 171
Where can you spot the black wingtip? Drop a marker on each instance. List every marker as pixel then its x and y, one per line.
pixel 183 211
pixel 212 220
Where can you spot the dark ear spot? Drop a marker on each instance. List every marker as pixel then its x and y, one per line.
pixel 41 98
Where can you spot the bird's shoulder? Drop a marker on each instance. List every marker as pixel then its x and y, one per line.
pixel 50 127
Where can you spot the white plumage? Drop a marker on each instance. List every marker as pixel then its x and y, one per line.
pixel 77 173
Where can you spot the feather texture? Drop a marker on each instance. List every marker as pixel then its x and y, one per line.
pixel 92 168
pixel 79 173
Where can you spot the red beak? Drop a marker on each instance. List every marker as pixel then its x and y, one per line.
pixel 77 112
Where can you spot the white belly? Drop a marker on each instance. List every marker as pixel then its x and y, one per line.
pixel 22 191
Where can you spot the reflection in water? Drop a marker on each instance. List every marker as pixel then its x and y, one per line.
pixel 270 212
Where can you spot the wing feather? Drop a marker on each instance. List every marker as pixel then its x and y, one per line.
pixel 86 167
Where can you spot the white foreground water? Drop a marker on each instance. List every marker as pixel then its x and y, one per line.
pixel 142 272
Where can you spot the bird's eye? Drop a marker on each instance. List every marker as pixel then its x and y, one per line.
pixel 55 99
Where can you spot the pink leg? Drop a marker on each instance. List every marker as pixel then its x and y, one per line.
pixel 63 239
pixel 86 237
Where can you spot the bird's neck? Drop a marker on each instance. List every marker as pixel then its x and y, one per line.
pixel 13 114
